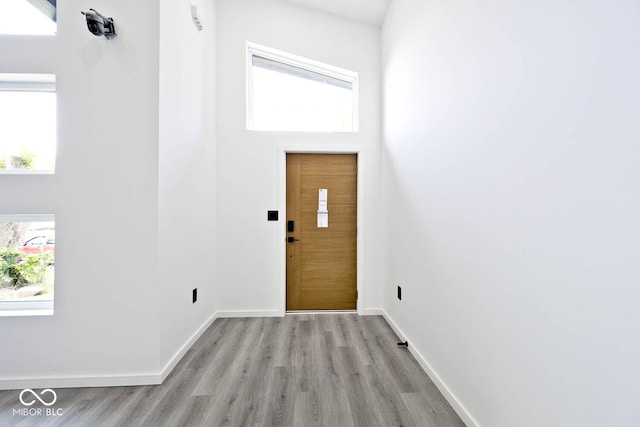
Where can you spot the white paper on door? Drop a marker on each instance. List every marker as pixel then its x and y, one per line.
pixel 323 219
pixel 323 212
pixel 322 200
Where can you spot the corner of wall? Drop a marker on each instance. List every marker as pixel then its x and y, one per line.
pixel 455 403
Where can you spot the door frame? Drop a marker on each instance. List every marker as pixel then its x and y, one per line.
pixel 283 150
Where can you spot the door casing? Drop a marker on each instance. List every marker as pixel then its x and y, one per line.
pixel 282 206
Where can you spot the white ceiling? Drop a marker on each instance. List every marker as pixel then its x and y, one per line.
pixel 371 11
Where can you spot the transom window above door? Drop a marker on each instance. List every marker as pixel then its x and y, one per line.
pixel 290 93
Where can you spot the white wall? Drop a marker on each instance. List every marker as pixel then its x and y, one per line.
pixel 133 195
pixel 511 153
pixel 104 196
pixel 249 261
pixel 187 213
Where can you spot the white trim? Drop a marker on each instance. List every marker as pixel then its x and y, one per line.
pixel 171 364
pixel 373 312
pixel 76 382
pixel 304 312
pixel 24 82
pixel 27 218
pixel 252 313
pixel 26 308
pixel 424 364
pixel 283 150
pixel 26 172
pixel 300 62
pixel 249 88
pixel 25 312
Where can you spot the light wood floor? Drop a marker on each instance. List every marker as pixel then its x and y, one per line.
pixel 300 370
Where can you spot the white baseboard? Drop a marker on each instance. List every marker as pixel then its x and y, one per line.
pixel 320 312
pixel 373 312
pixel 252 313
pixel 73 382
pixel 448 395
pixel 108 380
pixel 183 350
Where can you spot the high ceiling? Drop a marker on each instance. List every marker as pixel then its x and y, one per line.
pixel 371 11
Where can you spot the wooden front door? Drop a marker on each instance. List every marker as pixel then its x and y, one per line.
pixel 322 248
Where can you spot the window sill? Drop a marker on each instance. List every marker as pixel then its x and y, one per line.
pixel 289 131
pixel 26 172
pixel 26 308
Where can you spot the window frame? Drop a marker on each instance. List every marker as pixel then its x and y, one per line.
pixel 46 10
pixel 303 63
pixel 28 308
pixel 33 83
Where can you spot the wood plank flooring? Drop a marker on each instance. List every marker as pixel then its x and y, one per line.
pixel 300 370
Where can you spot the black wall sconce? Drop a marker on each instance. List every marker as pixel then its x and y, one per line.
pixel 100 25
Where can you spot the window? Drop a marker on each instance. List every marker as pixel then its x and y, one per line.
pixel 27 122
pixel 29 17
pixel 290 93
pixel 27 264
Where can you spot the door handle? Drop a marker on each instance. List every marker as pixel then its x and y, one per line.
pixel 291 239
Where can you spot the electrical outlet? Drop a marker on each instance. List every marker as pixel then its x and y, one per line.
pixel 399 293
pixel 195 295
